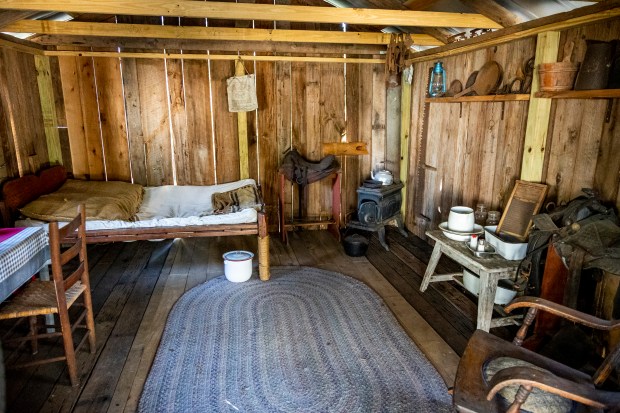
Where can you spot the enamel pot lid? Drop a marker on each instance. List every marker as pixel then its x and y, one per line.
pixel 238 256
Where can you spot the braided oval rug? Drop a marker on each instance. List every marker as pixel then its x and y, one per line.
pixel 308 340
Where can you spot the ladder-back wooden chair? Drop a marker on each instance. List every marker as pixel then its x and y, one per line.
pixel 495 375
pixel 58 295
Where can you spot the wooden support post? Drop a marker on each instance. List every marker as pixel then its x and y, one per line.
pixel 48 109
pixel 405 125
pixel 539 112
pixel 264 271
pixel 242 130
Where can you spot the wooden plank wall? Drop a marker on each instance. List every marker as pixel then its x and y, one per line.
pixel 464 153
pixel 157 122
pixel 23 146
pixel 584 138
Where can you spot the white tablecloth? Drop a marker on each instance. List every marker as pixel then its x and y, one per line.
pixel 21 256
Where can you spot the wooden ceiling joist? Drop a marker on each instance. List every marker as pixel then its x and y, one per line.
pixel 127 43
pixel 604 10
pixel 207 33
pixel 248 11
pixel 203 56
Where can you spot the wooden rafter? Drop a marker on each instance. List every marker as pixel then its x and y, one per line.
pixel 242 11
pixel 8 17
pixel 585 15
pixel 207 33
pixel 494 11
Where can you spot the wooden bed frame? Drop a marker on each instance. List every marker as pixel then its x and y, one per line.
pixel 9 211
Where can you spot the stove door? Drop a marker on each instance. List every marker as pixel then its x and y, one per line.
pixel 368 213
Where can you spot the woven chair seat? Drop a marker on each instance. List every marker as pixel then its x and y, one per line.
pixel 38 298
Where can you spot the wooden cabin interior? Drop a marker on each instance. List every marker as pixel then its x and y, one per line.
pixel 136 91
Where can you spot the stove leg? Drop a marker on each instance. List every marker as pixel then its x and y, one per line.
pixel 401 226
pixel 381 233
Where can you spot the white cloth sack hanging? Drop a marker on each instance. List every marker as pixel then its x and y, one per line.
pixel 241 93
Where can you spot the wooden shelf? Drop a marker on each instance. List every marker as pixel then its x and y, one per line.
pixel 486 98
pixel 581 94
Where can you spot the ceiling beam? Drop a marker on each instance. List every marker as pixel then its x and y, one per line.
pixel 127 43
pixel 14 43
pixel 8 17
pixel 242 11
pixel 207 33
pixel 494 11
pixel 202 56
pixel 604 10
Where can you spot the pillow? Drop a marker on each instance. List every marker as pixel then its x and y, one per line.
pixel 104 200
pixel 537 401
pixel 52 178
pixel 235 200
pixel 18 192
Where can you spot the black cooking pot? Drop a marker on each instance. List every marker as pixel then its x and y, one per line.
pixel 355 245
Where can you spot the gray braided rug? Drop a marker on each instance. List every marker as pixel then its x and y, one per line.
pixel 308 340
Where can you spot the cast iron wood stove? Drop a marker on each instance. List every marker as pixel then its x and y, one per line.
pixel 377 207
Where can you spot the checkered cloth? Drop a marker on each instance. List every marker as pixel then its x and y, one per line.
pixel 21 256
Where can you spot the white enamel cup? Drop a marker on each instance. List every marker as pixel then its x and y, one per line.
pixel 461 219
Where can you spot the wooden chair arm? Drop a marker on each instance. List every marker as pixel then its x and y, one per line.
pixel 584 393
pixel 564 312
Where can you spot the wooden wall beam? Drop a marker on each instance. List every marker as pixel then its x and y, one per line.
pixel 539 112
pixel 64 42
pixel 246 11
pixel 405 126
pixel 207 33
pixel 48 108
pixel 585 15
pixel 201 56
pixel 19 45
pixel 242 131
pixel 494 11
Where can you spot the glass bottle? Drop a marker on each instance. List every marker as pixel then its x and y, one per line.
pixel 480 214
pixel 437 85
pixel 493 218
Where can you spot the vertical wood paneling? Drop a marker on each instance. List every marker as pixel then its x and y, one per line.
pixel 605 180
pixel 332 120
pixel 112 119
pixel 298 123
pixel 9 167
pixel 135 134
pixel 226 140
pixel 509 153
pixel 200 134
pixel 145 90
pixel 268 160
pixel 61 117
pixel 28 118
pixel 178 121
pixel 471 151
pixel 80 97
pixel 310 139
pixel 378 157
pixel 351 167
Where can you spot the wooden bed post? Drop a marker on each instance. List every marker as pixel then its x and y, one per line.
pixel 263 247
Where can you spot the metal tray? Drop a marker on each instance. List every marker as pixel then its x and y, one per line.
pixel 488 252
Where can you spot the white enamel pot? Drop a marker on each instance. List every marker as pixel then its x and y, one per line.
pixel 238 266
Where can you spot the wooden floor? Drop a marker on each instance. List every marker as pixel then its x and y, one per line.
pixel 136 284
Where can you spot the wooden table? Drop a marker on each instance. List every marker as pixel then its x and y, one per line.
pixel 490 271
